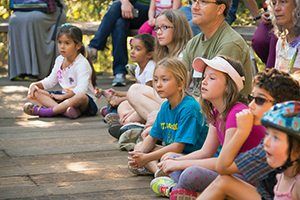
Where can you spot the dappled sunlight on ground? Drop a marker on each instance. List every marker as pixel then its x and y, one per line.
pixel 13 97
pixel 94 168
pixel 12 108
pixel 35 123
pixel 14 88
pixel 87 167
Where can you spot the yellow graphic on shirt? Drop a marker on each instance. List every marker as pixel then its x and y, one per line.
pixel 170 138
pixel 170 135
pixel 168 126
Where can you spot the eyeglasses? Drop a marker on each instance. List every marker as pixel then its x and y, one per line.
pixel 162 28
pixel 204 3
pixel 258 100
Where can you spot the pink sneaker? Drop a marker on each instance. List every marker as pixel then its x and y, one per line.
pixel 72 112
pixel 183 194
pixel 103 111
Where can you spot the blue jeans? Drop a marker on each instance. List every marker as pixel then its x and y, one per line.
pixel 113 23
pixel 230 18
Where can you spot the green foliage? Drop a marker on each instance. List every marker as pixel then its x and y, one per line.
pixel 81 10
pixel 4 9
pixel 243 16
pixel 94 10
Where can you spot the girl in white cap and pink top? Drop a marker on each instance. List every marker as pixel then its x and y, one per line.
pixel 220 100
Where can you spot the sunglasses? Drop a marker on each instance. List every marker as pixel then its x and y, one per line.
pixel 258 100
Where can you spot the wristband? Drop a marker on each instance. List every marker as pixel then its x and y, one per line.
pixel 257 18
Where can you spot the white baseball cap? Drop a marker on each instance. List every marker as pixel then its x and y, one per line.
pixel 220 64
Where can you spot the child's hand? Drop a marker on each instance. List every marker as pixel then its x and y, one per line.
pixel 151 22
pixel 244 120
pixel 57 97
pixel 114 102
pixel 131 162
pixel 139 158
pixel 167 157
pixel 169 166
pixel 112 91
pixel 32 89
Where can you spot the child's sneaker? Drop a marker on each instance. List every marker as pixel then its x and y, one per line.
pixel 162 186
pixel 131 125
pixel 160 173
pixel 103 111
pixel 131 69
pixel 143 171
pixel 115 131
pixel 112 119
pixel 92 54
pixel 183 194
pixel 72 112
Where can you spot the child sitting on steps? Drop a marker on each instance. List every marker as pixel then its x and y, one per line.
pixel 179 122
pixel 76 76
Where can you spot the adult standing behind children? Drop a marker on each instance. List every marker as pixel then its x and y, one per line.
pixel 117 21
pixel 31 52
pixel 264 41
pixel 285 17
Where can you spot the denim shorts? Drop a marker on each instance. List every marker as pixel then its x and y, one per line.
pixel 92 108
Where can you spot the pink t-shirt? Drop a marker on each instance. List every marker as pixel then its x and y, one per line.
pixel 256 135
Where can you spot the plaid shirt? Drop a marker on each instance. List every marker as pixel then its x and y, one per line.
pixel 253 165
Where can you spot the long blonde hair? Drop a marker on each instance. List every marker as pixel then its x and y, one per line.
pixel 182 33
pixel 179 71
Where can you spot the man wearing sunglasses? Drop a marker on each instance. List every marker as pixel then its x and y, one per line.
pixel 217 38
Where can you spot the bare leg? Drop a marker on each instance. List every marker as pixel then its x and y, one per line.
pixel 79 100
pixel 143 99
pixel 44 99
pixel 229 187
pixel 128 114
pixel 152 165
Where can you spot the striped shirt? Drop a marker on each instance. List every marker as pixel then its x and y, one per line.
pixel 253 165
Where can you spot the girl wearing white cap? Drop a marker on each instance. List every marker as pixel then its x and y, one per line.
pixel 220 100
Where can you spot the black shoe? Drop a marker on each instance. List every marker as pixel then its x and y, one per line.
pixel 131 125
pixel 115 130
